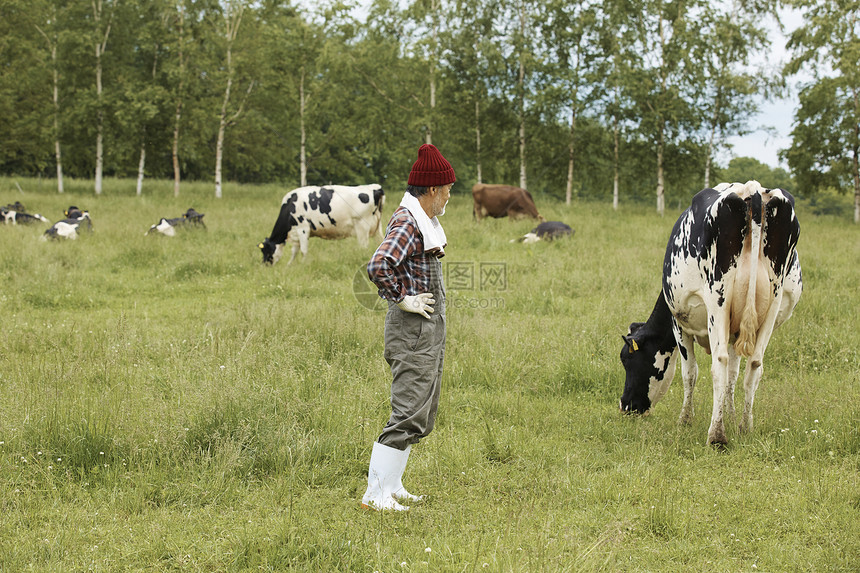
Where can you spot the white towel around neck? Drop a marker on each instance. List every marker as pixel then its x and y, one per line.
pixel 431 229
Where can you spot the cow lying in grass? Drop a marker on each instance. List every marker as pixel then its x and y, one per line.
pixel 15 214
pixel 75 221
pixel 191 219
pixel 546 231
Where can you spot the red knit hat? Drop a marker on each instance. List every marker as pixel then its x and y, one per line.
pixel 431 169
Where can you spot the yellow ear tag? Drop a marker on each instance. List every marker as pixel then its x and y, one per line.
pixel 260 246
pixel 634 345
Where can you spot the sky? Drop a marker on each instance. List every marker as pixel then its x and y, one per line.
pixel 763 143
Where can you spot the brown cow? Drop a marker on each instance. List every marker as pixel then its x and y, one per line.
pixel 503 201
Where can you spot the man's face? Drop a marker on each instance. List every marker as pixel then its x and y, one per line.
pixel 443 193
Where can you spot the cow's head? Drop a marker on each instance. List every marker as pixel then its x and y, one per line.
pixel 649 369
pixel 271 252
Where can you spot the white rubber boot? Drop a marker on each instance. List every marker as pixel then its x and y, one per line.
pixel 386 467
pixel 399 491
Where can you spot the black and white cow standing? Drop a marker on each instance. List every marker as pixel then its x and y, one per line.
pixel 731 275
pixel 328 212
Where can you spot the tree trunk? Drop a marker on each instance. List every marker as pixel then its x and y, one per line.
pixel 176 176
pixel 100 123
pixel 233 22
pixel 142 163
pixel 178 114
pixel 222 128
pixel 522 90
pixel 57 153
pixel 661 123
pixel 856 159
pixel 856 163
pixel 712 139
pixel 303 164
pixel 52 45
pixel 616 166
pixel 478 138
pixel 661 200
pixel 431 118
pixel 140 167
pixel 101 46
pixel 708 162
pixel 569 191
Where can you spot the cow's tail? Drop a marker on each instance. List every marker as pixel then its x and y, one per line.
pixel 746 340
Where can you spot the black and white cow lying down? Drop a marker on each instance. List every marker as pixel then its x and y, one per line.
pixel 76 220
pixel 328 212
pixel 191 219
pixel 547 231
pixel 15 214
pixel 731 275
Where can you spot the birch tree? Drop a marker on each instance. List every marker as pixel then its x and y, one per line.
pixel 729 84
pixel 234 10
pixel 102 20
pixel 49 30
pixel 475 62
pixel 667 31
pixel 825 149
pixel 617 39
pixel 180 65
pixel 568 30
pixel 522 55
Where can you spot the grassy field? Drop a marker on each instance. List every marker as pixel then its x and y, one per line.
pixel 171 404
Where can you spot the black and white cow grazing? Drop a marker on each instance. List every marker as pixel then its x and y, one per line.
pixel 328 212
pixel 167 227
pixel 731 275
pixel 547 231
pixel 68 228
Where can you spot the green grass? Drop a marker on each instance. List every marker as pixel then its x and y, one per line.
pixel 173 404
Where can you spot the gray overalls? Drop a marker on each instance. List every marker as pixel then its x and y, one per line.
pixel 415 350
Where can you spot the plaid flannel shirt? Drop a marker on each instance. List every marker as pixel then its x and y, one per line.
pixel 400 267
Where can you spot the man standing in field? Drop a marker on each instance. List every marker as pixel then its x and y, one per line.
pixel 408 273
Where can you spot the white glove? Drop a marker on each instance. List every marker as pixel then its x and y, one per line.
pixel 419 304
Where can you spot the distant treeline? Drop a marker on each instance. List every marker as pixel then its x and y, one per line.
pixel 629 99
